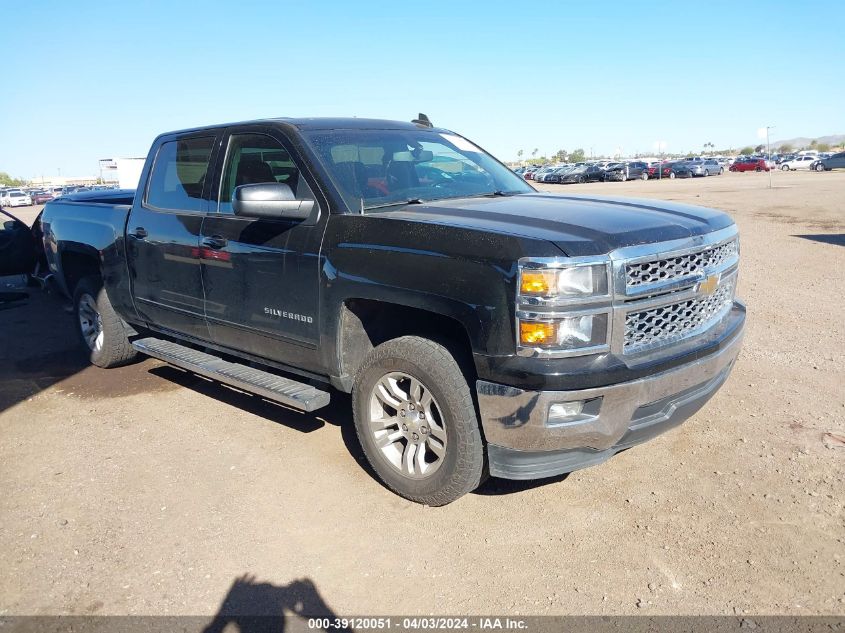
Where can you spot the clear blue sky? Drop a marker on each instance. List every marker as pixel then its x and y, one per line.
pixel 89 80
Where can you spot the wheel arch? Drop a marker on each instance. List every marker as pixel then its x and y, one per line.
pixel 77 262
pixel 366 323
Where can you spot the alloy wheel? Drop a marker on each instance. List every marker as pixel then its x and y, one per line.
pixel 90 322
pixel 407 425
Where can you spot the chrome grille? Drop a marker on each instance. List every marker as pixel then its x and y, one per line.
pixel 666 324
pixel 675 268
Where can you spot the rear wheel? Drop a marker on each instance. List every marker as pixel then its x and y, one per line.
pixel 706 173
pixel 104 333
pixel 671 174
pixel 415 419
pixel 644 175
pixel 758 169
pixel 784 167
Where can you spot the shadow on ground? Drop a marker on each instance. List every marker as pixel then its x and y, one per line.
pixel 262 607
pixel 837 239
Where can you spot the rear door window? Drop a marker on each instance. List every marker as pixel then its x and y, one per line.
pixel 179 173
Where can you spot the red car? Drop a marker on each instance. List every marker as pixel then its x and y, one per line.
pixel 40 197
pixel 749 164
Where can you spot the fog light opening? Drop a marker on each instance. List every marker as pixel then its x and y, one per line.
pixel 565 411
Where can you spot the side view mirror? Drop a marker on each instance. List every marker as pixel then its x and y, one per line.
pixel 274 200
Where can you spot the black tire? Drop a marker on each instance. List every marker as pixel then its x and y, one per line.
pixel 580 180
pixel 721 170
pixel 706 173
pixel 462 468
pixel 758 170
pixel 114 349
pixel 671 174
pixel 819 167
pixel 644 175
pixel 784 167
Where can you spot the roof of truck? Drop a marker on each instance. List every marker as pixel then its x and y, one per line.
pixel 321 123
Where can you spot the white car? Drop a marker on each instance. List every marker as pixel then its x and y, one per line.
pixel 13 198
pixel 800 162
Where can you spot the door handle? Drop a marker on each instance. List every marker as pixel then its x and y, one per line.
pixel 215 241
pixel 140 233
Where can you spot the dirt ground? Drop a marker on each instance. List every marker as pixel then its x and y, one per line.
pixel 146 490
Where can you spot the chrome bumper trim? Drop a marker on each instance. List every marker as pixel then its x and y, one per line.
pixel 517 419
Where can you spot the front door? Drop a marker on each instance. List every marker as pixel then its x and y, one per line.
pixel 17 246
pixel 162 237
pixel 261 276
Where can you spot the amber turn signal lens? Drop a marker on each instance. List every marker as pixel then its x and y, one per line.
pixel 536 333
pixel 538 282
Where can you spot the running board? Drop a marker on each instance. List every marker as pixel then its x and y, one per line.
pixel 288 392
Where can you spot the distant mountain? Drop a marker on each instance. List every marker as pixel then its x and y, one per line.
pixel 834 140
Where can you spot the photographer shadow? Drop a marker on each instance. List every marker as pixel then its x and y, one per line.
pixel 262 607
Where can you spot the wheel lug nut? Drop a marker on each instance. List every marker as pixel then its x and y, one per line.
pixel 404 427
pixel 422 415
pixel 411 407
pixel 415 436
pixel 402 413
pixel 423 430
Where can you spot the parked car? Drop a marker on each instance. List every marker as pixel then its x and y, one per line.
pixel 750 164
pixel 540 175
pixel 799 162
pixel 705 167
pixel 836 161
pixel 475 324
pixel 682 169
pixel 627 171
pixel 666 169
pixel 40 197
pixel 15 198
pixel 556 174
pixel 595 172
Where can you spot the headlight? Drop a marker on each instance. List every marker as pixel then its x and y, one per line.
pixel 563 306
pixel 565 333
pixel 567 282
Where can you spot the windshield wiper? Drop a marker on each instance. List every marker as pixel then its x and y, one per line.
pixel 393 204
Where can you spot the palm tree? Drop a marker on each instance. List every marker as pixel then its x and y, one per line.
pixel 534 153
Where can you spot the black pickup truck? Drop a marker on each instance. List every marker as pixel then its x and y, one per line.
pixel 482 327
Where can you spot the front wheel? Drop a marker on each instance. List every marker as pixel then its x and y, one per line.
pixel 784 168
pixel 644 176
pixel 706 173
pixel 103 332
pixel 819 167
pixel 415 419
pixel 671 174
pixel 758 170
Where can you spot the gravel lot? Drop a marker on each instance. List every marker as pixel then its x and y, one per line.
pixel 146 490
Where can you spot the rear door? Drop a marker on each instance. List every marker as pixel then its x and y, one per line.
pixel 261 276
pixel 163 233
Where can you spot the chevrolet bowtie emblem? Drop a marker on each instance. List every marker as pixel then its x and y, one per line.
pixel 710 284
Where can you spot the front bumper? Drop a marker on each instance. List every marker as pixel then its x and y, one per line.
pixel 522 444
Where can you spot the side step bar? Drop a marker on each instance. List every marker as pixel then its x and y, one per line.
pixel 289 392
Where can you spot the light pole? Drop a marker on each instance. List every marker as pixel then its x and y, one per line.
pixel 769 152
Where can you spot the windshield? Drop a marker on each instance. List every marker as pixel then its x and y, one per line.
pixel 374 168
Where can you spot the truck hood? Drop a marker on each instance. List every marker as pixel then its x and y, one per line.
pixel 579 225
